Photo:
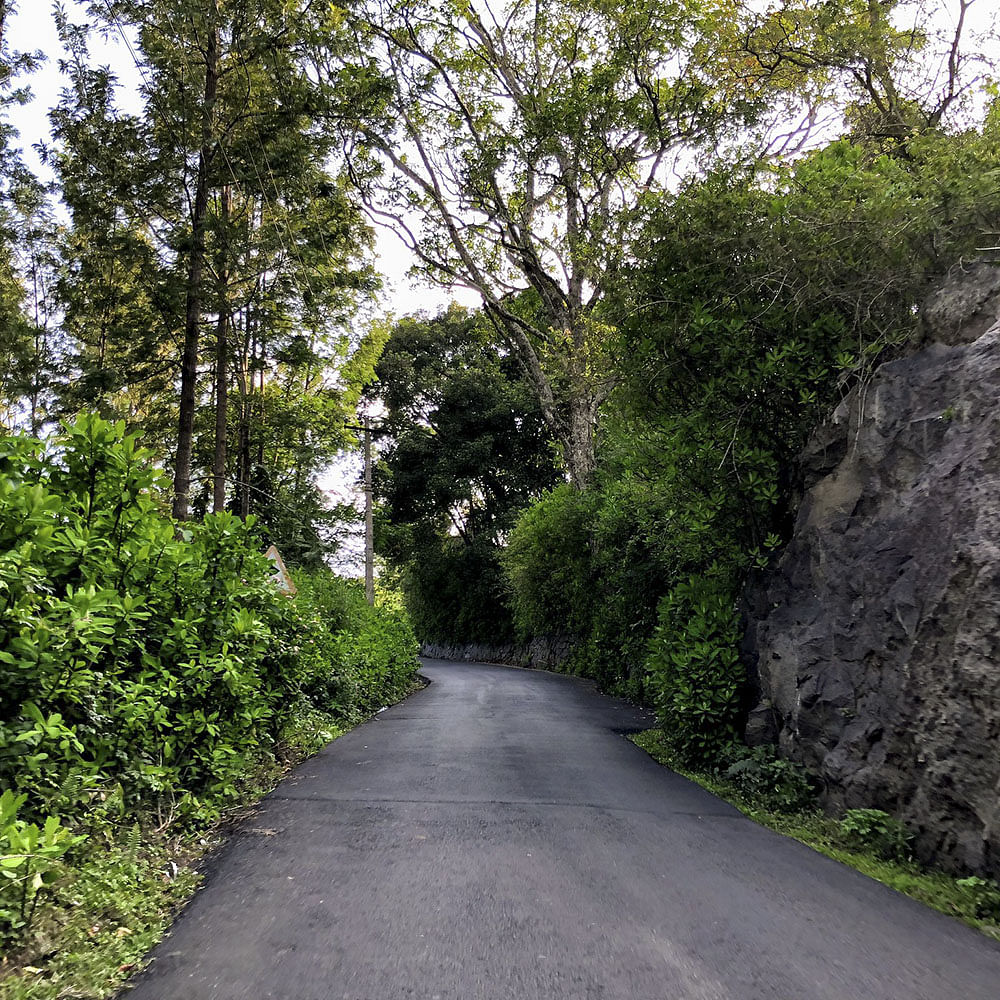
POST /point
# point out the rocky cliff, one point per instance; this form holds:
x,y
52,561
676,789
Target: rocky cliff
x,y
875,644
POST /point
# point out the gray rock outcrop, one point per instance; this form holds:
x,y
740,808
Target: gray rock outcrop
x,y
876,641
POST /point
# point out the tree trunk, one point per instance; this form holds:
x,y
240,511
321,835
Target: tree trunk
x,y
243,429
36,424
261,409
246,414
221,369
578,440
4,5
570,421
196,266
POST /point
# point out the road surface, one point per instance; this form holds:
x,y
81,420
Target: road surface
x,y
494,837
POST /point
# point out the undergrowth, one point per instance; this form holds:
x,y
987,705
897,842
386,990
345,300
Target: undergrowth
x,y
153,679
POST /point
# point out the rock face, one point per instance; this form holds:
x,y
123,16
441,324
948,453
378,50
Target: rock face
x,y
876,642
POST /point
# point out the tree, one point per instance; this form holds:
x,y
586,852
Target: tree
x,y
25,249
894,69
262,233
467,449
119,290
215,251
515,146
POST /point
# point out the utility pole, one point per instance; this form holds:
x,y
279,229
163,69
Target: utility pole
x,y
369,532
366,428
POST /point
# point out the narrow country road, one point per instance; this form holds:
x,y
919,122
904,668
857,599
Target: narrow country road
x,y
495,838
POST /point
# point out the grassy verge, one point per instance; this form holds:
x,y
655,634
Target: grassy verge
x,y
126,885
824,834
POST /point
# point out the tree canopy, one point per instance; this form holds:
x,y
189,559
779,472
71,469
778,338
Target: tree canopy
x,y
513,148
464,451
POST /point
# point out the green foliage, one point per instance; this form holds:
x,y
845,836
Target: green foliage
x,y
466,451
985,895
548,563
102,917
756,778
547,125
141,668
354,658
120,890
128,654
30,861
281,238
759,295
695,674
760,776
896,69
455,588
876,831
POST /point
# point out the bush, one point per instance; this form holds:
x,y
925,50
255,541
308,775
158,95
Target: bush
x,y
876,831
30,861
355,658
134,655
141,667
985,896
455,589
695,675
548,564
764,779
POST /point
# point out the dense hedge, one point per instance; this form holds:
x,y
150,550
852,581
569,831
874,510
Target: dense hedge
x,y
145,666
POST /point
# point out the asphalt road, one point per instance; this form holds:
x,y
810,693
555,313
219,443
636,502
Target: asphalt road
x,y
494,837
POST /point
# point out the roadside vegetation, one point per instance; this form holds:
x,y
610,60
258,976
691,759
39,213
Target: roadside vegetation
x,y
782,796
759,295
152,681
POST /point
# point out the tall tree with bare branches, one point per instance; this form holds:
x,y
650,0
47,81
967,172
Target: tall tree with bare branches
x,y
893,69
516,141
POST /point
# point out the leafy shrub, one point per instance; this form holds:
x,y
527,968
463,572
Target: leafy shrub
x,y
985,896
355,658
876,831
142,667
763,778
548,564
693,663
133,657
30,861
112,902
455,588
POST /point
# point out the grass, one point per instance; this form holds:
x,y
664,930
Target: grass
x,y
126,884
936,889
